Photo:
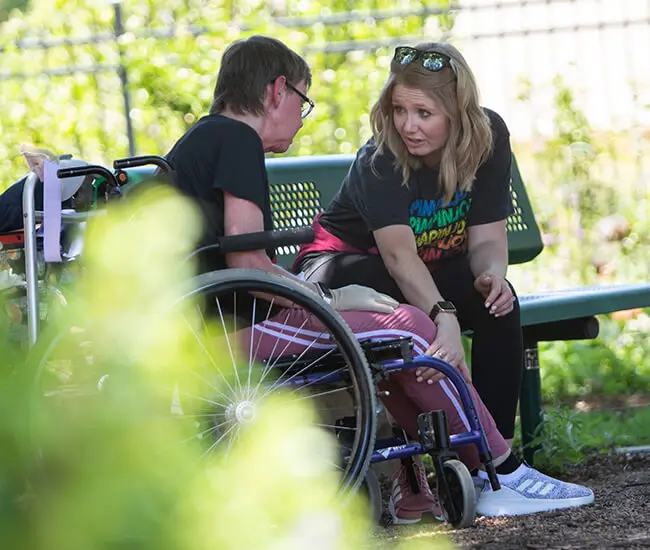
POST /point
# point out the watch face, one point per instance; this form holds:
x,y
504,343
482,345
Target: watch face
x,y
446,306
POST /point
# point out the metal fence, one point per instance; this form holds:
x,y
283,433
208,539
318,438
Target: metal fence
x,y
517,49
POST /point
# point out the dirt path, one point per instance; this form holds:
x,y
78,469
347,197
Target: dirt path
x,y
620,517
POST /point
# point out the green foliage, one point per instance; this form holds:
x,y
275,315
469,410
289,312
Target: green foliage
x,y
561,440
608,430
7,6
568,436
112,468
591,196
171,79
571,154
617,363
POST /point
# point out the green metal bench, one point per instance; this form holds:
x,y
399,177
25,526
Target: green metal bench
x,y
300,186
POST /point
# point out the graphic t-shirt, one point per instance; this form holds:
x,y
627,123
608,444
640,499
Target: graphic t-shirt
x,y
373,196
217,155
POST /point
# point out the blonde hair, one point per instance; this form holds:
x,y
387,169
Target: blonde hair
x,y
470,136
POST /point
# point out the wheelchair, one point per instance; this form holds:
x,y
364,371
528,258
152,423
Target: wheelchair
x,y
259,354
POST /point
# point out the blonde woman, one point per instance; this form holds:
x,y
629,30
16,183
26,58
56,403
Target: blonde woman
x,y
260,101
421,216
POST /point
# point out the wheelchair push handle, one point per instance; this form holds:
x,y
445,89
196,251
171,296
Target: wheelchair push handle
x,y
132,162
258,241
265,239
88,170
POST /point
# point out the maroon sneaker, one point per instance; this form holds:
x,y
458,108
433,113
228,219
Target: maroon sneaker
x,y
404,505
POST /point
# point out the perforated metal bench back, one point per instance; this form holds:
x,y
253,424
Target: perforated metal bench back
x,y
524,239
302,186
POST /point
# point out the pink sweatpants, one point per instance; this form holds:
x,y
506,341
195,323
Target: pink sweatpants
x,y
407,398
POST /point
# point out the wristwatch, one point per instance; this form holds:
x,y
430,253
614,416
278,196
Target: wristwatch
x,y
444,306
325,293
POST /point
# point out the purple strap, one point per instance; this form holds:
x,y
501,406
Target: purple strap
x,y
52,212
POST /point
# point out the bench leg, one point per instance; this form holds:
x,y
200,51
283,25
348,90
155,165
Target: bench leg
x,y
530,400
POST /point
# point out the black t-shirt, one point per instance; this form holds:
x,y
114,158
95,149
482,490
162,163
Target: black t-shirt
x,y
367,201
217,155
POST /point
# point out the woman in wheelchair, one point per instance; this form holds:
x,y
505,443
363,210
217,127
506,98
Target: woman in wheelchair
x,y
260,101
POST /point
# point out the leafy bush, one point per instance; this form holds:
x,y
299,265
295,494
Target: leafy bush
x,y
581,182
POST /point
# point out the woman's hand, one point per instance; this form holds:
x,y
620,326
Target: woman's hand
x,y
446,346
497,293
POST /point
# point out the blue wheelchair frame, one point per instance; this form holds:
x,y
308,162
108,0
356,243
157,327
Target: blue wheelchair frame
x,y
385,449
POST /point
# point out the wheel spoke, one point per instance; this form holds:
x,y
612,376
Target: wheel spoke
x,y
210,358
335,427
219,440
234,332
205,399
270,364
259,342
230,347
207,383
206,431
250,355
313,396
276,383
232,440
324,376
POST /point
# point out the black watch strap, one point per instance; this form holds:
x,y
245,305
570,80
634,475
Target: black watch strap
x,y
444,306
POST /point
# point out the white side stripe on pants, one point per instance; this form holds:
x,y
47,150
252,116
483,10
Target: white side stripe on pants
x,y
298,336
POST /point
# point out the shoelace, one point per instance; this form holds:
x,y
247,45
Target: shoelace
x,y
421,477
424,482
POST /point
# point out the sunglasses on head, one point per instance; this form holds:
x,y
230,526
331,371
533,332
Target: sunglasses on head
x,y
431,61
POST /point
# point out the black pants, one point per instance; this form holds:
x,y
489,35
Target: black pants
x,y
497,343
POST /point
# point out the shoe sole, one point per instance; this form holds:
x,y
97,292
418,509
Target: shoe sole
x,y
507,502
400,521
403,521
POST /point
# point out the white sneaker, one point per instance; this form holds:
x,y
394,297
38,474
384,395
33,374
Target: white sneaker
x,y
527,491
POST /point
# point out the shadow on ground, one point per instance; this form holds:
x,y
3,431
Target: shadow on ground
x,y
620,517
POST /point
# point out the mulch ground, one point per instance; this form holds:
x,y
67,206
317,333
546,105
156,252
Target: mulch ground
x,y
619,518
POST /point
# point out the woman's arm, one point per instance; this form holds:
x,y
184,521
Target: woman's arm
x,y
488,260
398,250
242,216
487,247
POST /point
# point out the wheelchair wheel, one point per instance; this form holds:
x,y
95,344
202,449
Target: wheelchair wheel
x,y
240,364
319,360
458,498
371,488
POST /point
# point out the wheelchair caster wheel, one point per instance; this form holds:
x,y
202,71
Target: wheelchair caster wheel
x,y
371,489
457,495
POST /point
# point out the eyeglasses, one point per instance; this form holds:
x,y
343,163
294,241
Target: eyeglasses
x,y
431,61
307,104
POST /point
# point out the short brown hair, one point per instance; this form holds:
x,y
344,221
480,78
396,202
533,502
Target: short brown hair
x,y
248,66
